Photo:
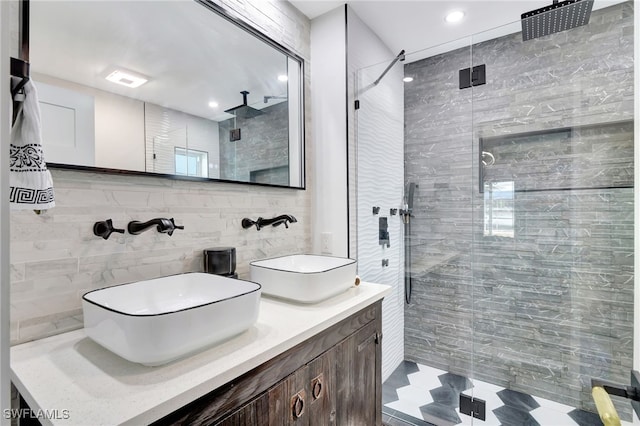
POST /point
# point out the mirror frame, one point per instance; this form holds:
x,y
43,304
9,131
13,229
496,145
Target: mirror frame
x,y
235,19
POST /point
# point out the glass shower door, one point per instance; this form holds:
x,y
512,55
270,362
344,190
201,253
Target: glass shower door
x,y
433,291
552,253
520,244
379,182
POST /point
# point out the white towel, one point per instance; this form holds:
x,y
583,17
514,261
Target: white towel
x,y
29,178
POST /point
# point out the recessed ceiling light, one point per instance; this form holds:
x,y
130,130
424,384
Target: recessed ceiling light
x,y
454,16
127,78
213,104
407,79
283,77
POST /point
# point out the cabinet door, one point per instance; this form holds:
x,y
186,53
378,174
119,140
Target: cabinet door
x,y
340,386
322,392
305,398
254,413
358,378
289,400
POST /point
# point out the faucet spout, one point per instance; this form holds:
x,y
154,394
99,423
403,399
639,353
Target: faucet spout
x,y
164,226
261,222
284,219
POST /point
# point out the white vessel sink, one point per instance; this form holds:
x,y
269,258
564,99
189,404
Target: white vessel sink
x,y
304,278
156,321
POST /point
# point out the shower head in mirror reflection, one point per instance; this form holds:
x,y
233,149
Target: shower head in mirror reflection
x,y
166,126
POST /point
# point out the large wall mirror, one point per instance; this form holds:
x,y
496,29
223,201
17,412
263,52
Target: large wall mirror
x,y
175,88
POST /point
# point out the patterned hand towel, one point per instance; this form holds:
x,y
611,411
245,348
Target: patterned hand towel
x,y
29,178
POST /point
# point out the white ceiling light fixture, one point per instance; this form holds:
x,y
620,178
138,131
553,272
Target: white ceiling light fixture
x,y
213,104
283,77
454,16
407,79
127,78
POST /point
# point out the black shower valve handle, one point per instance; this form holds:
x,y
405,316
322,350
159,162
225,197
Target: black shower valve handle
x,y
105,228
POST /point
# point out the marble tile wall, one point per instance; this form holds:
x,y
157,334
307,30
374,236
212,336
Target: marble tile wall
x,y
55,257
547,309
264,144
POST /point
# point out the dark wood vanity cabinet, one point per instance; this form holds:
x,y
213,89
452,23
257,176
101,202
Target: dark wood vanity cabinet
x,y
333,378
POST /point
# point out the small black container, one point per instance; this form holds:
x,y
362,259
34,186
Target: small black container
x,y
220,261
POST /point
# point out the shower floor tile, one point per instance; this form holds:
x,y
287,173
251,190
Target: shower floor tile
x,y
416,394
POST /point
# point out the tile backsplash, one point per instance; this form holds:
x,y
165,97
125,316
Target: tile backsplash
x,y
55,258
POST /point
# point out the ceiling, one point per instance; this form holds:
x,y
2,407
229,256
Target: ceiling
x,y
420,24
199,58
80,41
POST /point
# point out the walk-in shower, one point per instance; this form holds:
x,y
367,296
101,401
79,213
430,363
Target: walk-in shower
x,y
518,262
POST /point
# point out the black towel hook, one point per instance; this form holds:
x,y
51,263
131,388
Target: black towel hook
x,y
20,70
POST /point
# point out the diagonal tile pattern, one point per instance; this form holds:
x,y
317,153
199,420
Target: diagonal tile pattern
x,y
446,398
510,416
584,418
518,400
516,409
422,395
398,379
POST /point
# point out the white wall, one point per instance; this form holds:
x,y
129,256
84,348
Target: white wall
x,y
119,126
196,133
120,130
351,182
377,139
119,146
5,394
329,123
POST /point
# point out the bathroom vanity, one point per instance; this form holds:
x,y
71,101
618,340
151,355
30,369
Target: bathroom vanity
x,y
299,364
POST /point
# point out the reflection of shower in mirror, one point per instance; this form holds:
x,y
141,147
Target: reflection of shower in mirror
x,y
268,98
92,122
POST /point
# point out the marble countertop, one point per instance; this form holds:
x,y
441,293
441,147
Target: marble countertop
x,y
68,379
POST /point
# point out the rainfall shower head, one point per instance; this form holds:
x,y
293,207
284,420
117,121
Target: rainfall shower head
x,y
244,110
560,16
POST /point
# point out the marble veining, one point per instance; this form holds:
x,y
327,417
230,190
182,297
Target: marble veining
x,y
551,306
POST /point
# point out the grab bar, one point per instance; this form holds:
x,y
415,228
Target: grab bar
x,y
606,410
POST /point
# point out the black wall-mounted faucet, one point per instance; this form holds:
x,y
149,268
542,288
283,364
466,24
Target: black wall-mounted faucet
x,y
276,221
164,226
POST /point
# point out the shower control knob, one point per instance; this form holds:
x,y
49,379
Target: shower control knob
x,y
105,228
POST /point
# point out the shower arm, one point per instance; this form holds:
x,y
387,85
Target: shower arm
x,y
400,57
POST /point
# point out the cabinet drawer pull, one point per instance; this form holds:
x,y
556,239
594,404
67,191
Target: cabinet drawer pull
x,y
297,405
316,387
374,338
